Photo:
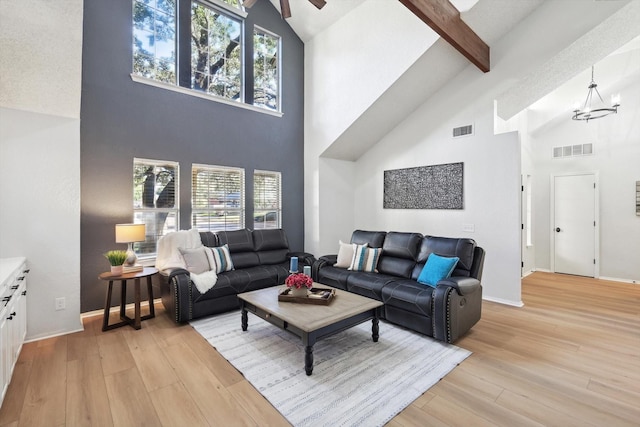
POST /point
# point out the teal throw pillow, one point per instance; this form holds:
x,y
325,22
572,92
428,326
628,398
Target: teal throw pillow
x,y
436,269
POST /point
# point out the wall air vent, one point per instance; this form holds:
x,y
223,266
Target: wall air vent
x,y
463,131
573,150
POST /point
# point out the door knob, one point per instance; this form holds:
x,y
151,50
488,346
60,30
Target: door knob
x,y
557,229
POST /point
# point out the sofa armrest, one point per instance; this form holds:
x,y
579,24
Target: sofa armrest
x,y
323,261
304,258
454,313
177,296
464,285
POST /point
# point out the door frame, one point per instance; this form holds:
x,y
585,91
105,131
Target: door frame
x,y
596,207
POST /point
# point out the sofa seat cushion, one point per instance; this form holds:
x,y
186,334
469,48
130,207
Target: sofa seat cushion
x,y
334,276
408,295
245,280
368,284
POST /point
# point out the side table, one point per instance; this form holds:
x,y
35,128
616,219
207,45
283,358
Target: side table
x,y
147,272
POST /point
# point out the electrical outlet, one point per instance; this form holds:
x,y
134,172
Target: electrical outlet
x,y
469,228
60,303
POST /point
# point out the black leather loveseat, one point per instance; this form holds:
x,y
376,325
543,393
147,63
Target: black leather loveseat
x,y
260,259
444,312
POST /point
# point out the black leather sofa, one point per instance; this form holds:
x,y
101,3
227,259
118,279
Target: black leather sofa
x,y
445,312
260,259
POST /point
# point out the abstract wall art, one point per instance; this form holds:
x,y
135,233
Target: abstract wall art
x,y
425,187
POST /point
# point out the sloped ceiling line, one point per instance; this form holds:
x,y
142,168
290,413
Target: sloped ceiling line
x,y
444,19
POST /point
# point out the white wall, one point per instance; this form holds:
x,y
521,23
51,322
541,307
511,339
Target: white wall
x,y
40,215
491,190
40,57
616,145
347,67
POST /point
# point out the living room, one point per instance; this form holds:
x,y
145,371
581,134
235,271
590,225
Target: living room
x,y
81,134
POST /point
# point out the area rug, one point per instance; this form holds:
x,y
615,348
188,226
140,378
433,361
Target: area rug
x,y
355,381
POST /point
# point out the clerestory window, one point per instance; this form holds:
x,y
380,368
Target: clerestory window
x,y
266,69
199,45
216,52
154,39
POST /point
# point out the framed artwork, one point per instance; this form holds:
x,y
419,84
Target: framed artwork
x,y
425,187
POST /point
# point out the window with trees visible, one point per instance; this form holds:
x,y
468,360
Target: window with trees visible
x,y
154,39
198,44
217,198
216,52
155,192
267,200
266,69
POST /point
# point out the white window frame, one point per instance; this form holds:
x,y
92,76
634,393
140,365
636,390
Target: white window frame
x,y
140,212
233,13
259,211
175,87
221,210
155,57
259,29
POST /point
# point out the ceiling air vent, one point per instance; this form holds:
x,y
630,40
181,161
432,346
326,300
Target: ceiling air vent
x,y
572,150
462,131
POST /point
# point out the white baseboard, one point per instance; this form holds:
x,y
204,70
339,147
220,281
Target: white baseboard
x,y
526,273
91,314
504,301
612,279
616,279
57,334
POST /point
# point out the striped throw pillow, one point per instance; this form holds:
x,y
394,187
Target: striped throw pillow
x,y
365,259
221,258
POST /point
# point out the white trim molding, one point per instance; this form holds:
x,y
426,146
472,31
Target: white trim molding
x,y
185,91
504,301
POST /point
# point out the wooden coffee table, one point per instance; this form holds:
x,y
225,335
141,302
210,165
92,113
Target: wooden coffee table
x,y
310,322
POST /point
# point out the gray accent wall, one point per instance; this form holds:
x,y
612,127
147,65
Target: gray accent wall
x,y
122,119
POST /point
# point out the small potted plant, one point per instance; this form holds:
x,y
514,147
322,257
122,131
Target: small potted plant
x,y
299,284
116,259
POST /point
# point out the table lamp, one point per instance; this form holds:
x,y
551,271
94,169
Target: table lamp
x,y
130,233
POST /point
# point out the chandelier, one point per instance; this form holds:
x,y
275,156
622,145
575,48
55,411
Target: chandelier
x,y
591,112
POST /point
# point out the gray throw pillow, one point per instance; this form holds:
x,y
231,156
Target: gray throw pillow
x,y
196,259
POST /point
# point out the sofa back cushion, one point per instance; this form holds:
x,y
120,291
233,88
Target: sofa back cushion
x,y
447,247
271,246
399,254
209,239
267,240
373,239
240,246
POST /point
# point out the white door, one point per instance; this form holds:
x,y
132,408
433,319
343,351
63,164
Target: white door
x,y
574,225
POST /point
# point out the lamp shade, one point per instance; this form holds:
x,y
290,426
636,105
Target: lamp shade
x,y
128,233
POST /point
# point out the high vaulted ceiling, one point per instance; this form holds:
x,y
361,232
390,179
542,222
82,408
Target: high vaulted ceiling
x,y
558,39
307,21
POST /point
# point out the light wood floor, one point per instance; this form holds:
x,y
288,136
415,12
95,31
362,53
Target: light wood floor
x,y
570,357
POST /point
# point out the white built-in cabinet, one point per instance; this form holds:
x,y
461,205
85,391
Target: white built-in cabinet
x,y
13,315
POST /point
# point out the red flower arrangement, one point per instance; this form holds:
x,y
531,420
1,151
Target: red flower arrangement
x,y
298,280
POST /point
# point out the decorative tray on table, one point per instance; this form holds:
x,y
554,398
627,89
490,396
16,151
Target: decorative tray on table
x,y
318,296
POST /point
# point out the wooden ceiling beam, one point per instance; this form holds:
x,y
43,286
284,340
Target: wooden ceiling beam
x,y
318,3
285,9
444,19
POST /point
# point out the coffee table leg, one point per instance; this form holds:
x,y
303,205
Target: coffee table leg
x,y
308,359
245,319
375,329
